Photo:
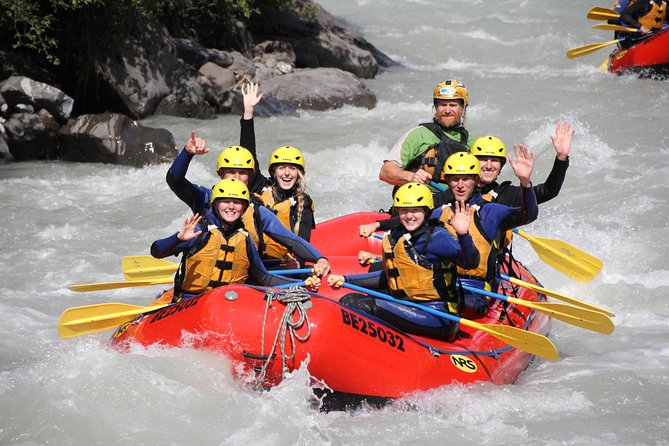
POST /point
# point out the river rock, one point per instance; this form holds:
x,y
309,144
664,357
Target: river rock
x,y
31,136
5,154
196,55
320,89
20,90
116,139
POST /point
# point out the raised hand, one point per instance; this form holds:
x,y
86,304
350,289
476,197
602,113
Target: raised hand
x,y
187,230
196,145
562,139
523,164
462,216
251,98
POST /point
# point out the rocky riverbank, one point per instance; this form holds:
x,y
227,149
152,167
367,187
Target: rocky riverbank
x,y
315,64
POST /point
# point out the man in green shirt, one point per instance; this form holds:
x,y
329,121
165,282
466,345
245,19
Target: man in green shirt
x,y
418,156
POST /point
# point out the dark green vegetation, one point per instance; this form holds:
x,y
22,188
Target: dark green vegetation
x,y
72,31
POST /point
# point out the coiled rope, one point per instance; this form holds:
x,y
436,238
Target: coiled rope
x,y
295,299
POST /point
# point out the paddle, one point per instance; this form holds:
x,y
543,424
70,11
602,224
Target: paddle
x,y
83,287
525,340
555,294
587,49
78,321
600,13
609,27
150,268
571,261
147,268
579,317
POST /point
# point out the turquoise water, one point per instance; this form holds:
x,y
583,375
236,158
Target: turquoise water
x,y
71,223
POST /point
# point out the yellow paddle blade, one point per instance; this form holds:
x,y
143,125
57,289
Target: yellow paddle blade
x,y
571,261
516,337
587,49
83,287
609,27
557,295
147,268
579,317
600,13
79,321
604,67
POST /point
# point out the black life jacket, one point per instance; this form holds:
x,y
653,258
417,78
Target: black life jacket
x,y
434,158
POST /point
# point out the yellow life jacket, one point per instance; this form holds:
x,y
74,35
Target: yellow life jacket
x,y
412,277
655,18
282,209
215,261
249,220
488,249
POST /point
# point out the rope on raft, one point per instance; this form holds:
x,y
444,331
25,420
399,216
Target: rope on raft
x,y
296,299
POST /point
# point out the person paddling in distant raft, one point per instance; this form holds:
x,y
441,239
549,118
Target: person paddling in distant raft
x,y
644,15
419,259
216,249
490,221
419,155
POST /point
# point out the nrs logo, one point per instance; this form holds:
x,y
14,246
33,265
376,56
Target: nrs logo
x,y
464,363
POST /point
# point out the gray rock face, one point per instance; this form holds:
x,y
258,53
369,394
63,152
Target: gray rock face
x,y
320,89
116,139
31,136
20,90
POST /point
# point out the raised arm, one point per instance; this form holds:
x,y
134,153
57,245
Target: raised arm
x,y
195,197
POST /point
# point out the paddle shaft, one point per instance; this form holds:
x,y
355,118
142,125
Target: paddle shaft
x,y
579,317
591,48
555,294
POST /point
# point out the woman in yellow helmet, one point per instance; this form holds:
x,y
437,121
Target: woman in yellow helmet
x,y
284,191
287,197
216,249
419,259
490,221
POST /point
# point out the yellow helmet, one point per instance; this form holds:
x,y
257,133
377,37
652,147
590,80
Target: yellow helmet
x,y
286,155
451,89
489,146
235,157
412,195
230,188
462,163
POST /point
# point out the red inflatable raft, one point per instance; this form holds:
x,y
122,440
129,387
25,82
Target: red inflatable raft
x,y
649,57
351,352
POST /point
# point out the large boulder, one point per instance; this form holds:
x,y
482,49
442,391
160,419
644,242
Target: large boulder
x,y
144,71
320,89
320,42
23,90
116,139
31,136
196,55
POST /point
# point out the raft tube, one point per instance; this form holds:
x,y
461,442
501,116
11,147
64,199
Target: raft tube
x,y
649,57
352,353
